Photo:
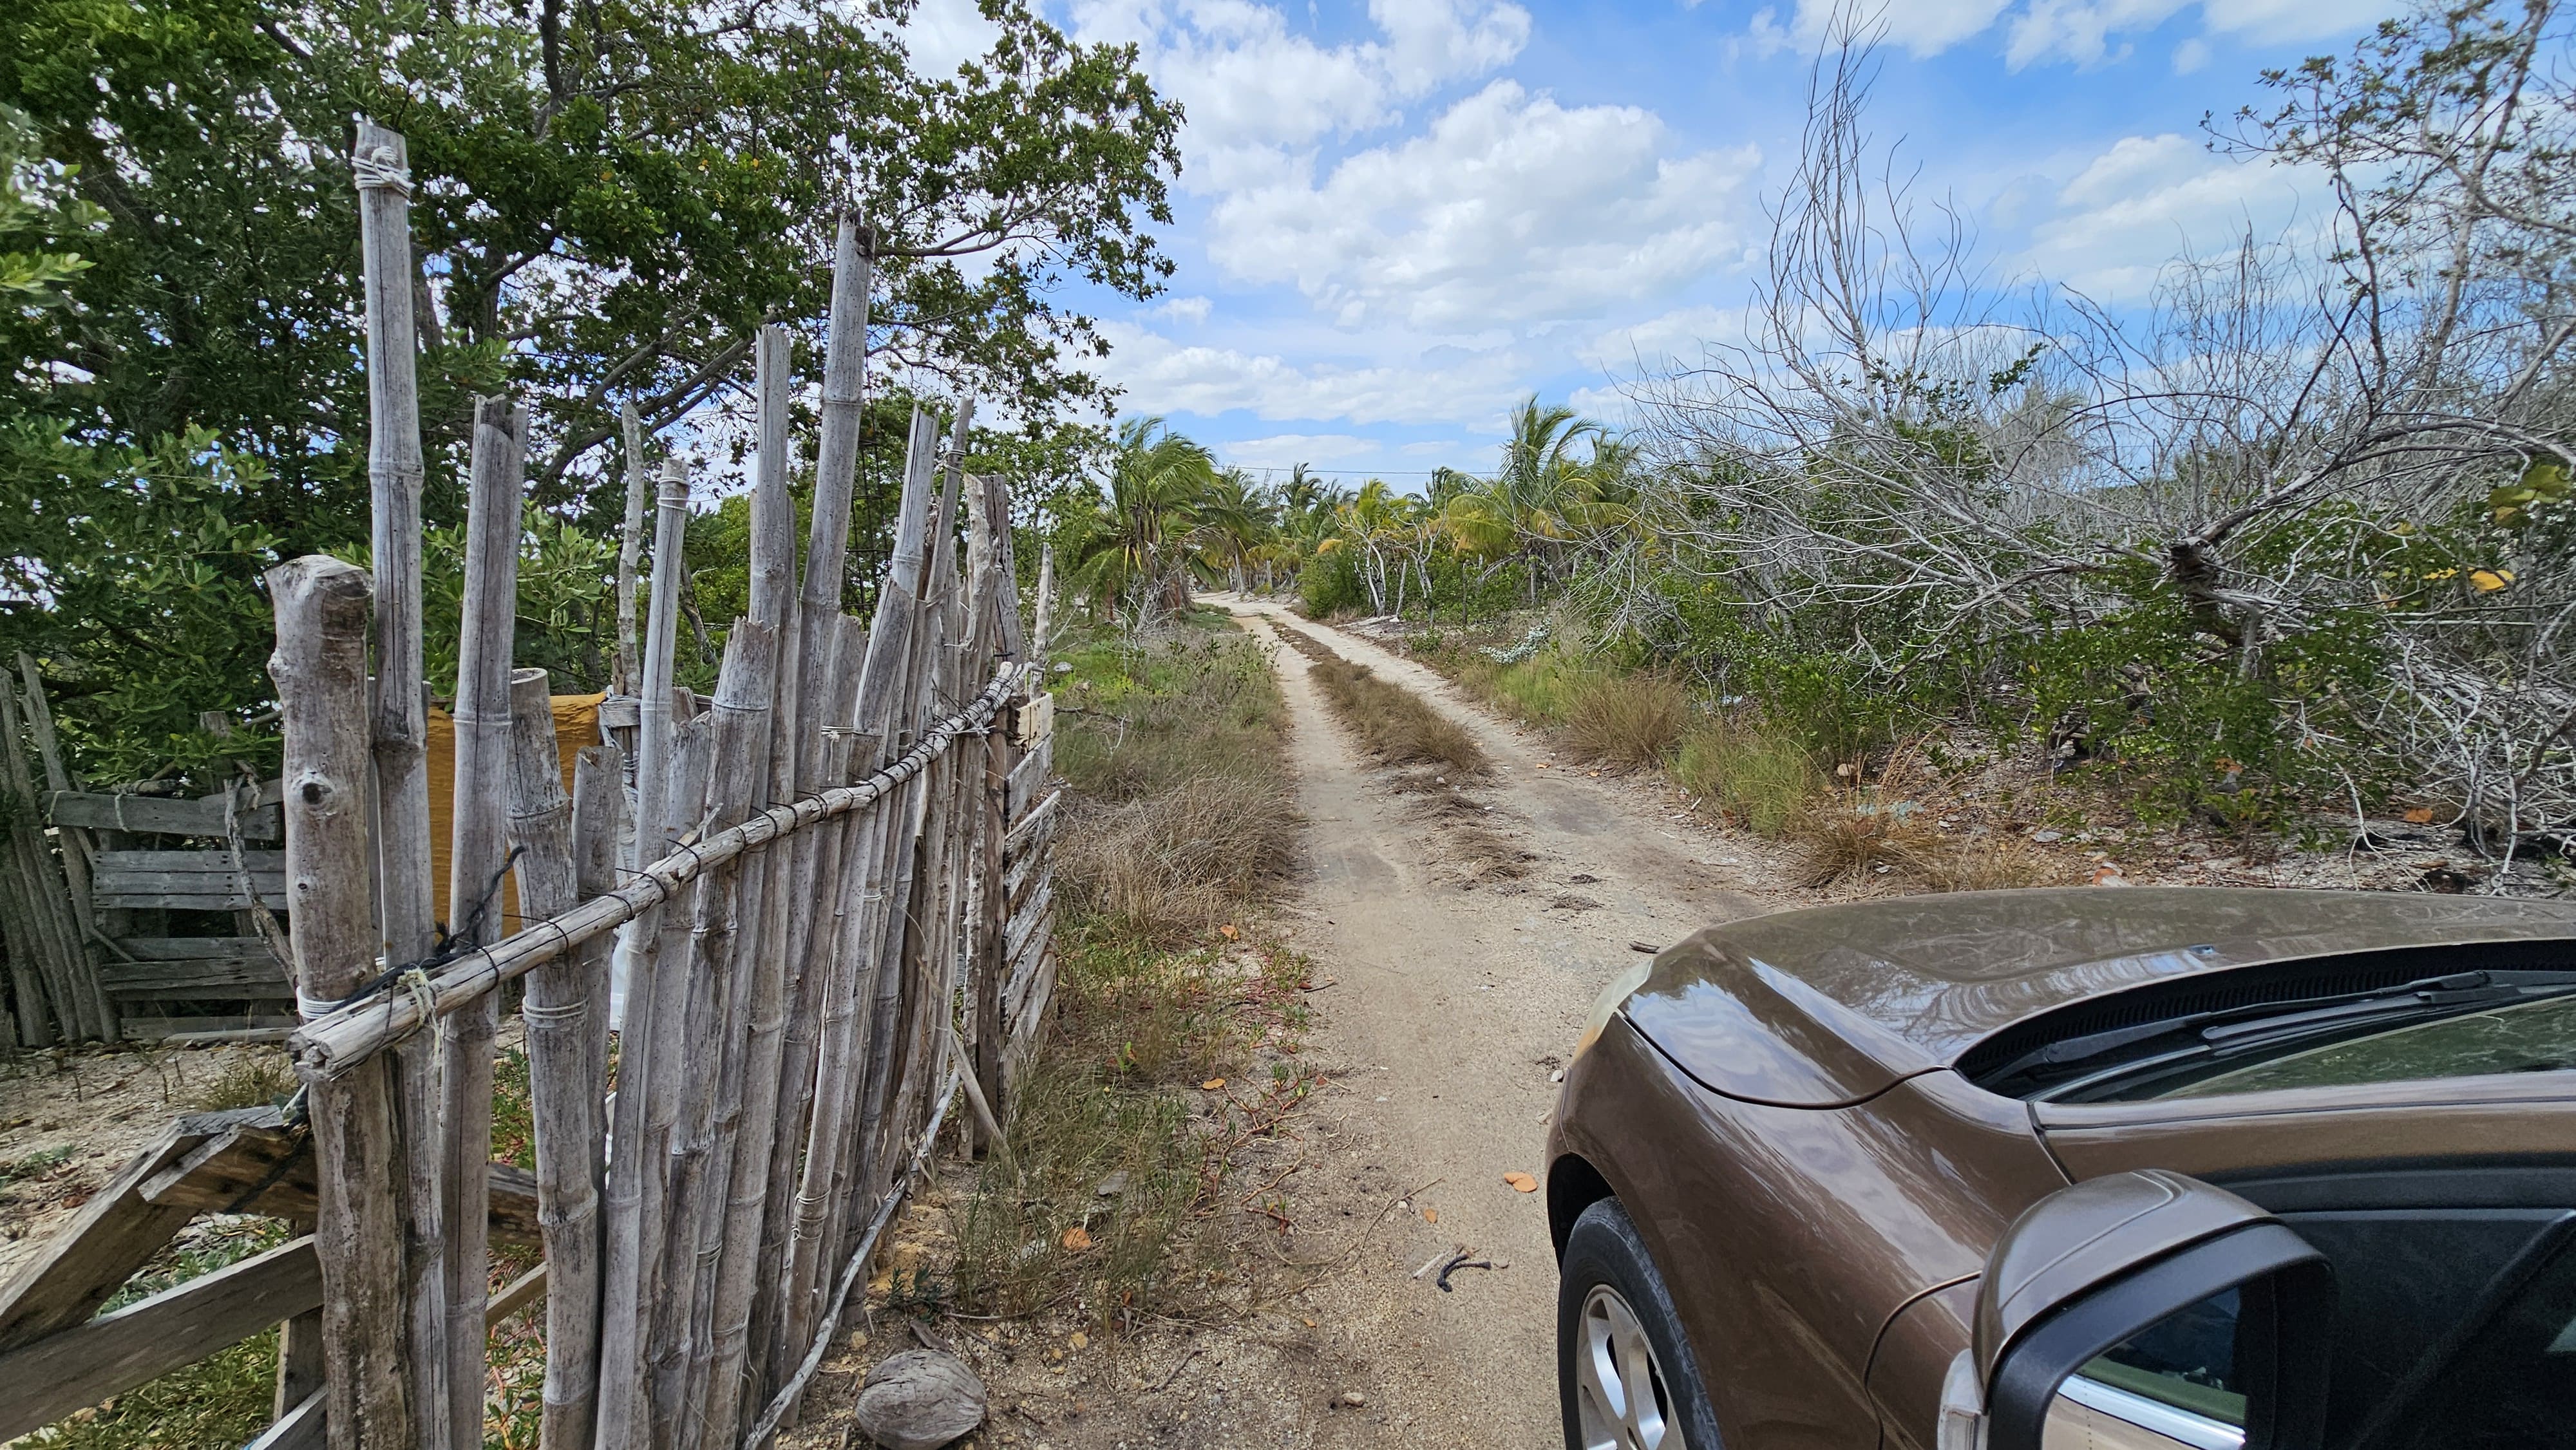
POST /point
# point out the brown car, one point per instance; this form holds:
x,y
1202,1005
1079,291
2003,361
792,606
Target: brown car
x,y
2086,1168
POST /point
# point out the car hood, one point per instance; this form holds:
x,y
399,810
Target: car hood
x,y
1832,1004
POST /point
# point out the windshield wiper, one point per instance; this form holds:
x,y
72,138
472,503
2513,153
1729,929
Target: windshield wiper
x,y
2233,1029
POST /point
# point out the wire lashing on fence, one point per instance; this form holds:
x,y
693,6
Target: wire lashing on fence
x,y
328,1047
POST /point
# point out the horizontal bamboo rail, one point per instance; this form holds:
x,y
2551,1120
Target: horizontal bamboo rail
x,y
334,1044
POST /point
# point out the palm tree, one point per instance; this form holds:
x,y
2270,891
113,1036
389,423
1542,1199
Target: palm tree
x,y
1134,547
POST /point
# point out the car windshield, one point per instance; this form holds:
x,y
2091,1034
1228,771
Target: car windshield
x,y
2525,1037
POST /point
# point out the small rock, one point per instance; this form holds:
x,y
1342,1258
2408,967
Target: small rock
x,y
2044,837
1557,1076
1354,1398
920,1400
1114,1185
1078,1339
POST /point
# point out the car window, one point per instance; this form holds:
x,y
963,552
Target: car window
x,y
2528,1037
2511,1382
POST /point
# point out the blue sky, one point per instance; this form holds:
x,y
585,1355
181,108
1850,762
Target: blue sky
x,y
1398,218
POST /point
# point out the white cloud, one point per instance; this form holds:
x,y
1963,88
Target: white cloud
x,y
1255,92
944,34
2150,199
1923,27
1510,208
1186,309
1164,376
1286,450
2081,31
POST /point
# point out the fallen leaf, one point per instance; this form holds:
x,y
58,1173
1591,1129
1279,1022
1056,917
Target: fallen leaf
x,y
1521,1182
2488,581
2420,816
1212,1084
1077,1238
1228,931
1431,1215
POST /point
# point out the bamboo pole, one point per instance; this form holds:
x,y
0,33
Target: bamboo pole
x,y
1044,630
321,672
598,821
890,959
798,1040
562,1076
700,1172
622,1418
630,545
400,725
664,1047
879,699
805,684
488,623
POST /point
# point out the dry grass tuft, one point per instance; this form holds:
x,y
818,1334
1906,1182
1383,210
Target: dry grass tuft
x,y
1170,867
257,1078
1393,723
1838,846
1841,846
1627,719
1988,865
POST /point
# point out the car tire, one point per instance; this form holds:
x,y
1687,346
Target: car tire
x,y
1611,1304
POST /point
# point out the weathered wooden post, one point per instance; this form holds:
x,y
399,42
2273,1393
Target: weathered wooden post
x,y
623,1419
630,544
321,672
400,725
489,620
564,1072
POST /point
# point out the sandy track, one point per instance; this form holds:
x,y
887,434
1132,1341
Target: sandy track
x,y
1454,1002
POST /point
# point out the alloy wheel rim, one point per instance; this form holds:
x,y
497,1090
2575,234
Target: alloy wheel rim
x,y
1620,1394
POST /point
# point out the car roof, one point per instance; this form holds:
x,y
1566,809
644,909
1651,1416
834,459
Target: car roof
x,y
1866,992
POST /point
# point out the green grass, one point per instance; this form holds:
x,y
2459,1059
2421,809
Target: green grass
x,y
1760,775
1540,690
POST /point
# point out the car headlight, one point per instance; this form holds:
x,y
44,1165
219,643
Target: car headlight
x,y
1612,996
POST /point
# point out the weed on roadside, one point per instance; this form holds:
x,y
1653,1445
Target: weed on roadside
x,y
1627,720
251,1080
1761,777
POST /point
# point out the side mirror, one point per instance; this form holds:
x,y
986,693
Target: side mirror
x,y
2145,1309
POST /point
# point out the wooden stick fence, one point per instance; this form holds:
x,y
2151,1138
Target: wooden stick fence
x,y
840,872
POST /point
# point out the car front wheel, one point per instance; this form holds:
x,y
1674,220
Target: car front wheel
x,y
1624,1373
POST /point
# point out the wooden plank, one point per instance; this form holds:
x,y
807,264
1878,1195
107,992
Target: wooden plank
x,y
212,863
163,815
89,1258
1028,1025
1032,720
186,880
1034,829
44,1381
1028,778
301,1428
263,979
195,948
155,1029
1020,881
258,1167
1035,917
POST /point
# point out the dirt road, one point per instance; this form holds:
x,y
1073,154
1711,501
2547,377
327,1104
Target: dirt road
x,y
1454,1002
